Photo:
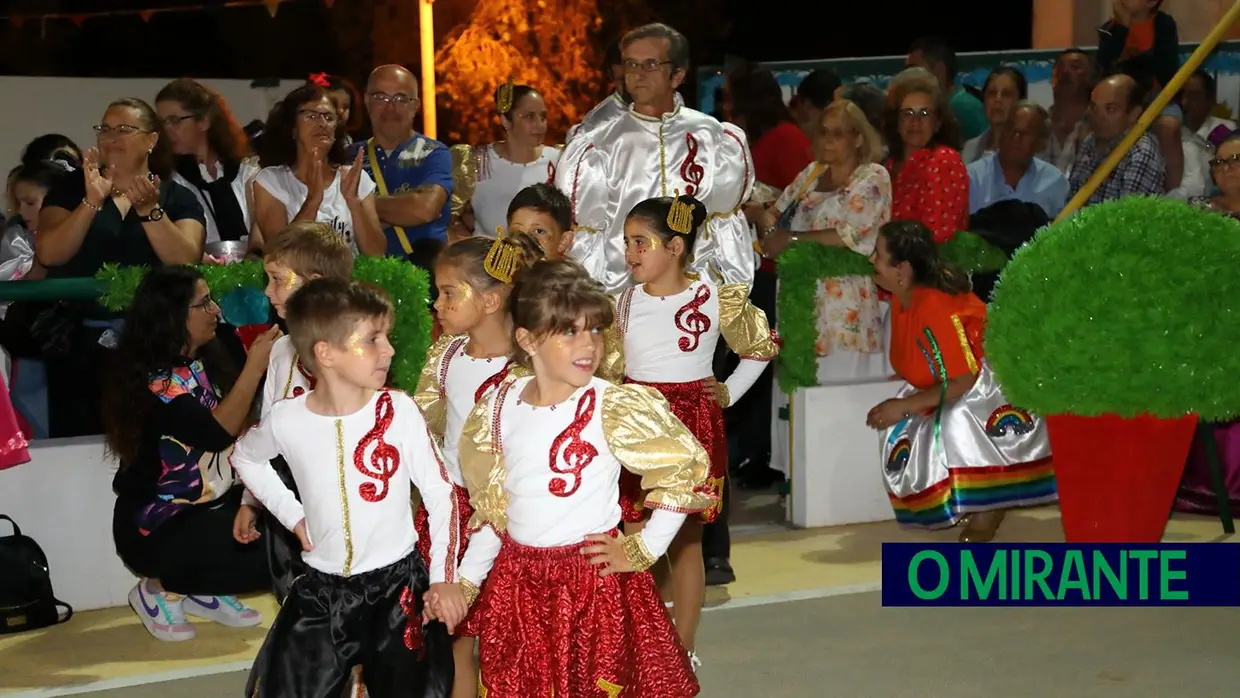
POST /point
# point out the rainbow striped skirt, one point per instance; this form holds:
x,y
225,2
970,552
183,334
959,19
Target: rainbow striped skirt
x,y
985,454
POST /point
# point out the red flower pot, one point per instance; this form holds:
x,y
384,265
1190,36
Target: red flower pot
x,y
1118,477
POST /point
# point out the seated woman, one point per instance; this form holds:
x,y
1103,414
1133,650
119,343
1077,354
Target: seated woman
x,y
306,175
954,448
172,412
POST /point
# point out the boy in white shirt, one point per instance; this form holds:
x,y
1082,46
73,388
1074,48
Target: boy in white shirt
x,y
354,448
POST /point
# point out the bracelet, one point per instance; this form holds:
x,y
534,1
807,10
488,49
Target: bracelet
x,y
470,590
91,206
637,553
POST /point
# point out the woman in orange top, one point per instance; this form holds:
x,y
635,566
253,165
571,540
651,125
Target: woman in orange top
x,y
954,448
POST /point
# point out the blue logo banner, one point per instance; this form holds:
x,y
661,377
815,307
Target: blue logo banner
x,y
1061,574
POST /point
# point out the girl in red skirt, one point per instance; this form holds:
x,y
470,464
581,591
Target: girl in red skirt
x,y
470,357
569,608
669,325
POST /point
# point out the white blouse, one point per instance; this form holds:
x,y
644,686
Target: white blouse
x,y
498,180
283,186
353,473
286,377
240,185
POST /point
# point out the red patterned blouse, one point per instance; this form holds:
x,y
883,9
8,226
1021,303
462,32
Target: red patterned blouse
x,y
932,187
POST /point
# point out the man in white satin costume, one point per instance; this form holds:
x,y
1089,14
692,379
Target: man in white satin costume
x,y
656,148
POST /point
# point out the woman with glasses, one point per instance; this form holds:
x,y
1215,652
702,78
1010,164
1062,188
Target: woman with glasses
x,y
173,408
306,175
210,155
929,182
487,177
123,208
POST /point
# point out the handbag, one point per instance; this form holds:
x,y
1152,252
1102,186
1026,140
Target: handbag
x,y
55,328
26,598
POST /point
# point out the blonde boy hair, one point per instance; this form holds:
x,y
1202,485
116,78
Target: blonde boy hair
x,y
311,249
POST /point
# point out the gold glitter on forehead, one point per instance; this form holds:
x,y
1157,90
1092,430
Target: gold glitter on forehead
x,y
355,344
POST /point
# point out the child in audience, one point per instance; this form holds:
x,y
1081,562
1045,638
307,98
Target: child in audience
x,y
545,214
1140,36
353,447
570,609
472,356
669,325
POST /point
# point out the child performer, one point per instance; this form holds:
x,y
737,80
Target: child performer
x,y
353,447
670,324
545,214
472,356
303,251
570,609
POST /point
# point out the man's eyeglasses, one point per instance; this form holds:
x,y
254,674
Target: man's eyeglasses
x,y
396,99
646,66
1229,161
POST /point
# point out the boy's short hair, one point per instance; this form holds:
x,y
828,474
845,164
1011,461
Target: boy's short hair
x,y
544,198
328,310
311,249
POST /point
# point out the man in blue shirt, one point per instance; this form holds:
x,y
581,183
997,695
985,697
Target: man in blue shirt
x,y
413,173
1012,172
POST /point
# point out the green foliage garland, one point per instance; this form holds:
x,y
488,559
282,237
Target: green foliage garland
x,y
407,286
802,267
1129,307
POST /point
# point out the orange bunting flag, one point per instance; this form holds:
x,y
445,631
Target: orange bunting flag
x,y
273,6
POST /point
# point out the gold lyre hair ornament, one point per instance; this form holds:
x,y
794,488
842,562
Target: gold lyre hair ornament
x,y
503,100
680,217
501,261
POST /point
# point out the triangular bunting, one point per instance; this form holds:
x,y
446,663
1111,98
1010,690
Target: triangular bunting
x,y
329,3
16,21
273,6
146,15
77,19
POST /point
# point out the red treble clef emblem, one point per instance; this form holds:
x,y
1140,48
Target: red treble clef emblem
x,y
413,629
692,321
385,460
492,382
578,453
690,170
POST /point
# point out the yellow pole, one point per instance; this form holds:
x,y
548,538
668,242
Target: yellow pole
x,y
1194,61
426,27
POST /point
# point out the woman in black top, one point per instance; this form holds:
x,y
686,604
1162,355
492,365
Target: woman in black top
x,y
210,155
172,413
121,207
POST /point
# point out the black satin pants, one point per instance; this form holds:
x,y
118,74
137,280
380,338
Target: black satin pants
x,y
330,624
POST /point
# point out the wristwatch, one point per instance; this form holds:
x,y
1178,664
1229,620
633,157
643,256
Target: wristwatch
x,y
156,214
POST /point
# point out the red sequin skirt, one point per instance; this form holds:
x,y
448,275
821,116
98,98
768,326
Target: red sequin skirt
x,y
704,418
422,524
549,625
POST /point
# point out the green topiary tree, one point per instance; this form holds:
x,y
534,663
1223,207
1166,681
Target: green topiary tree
x,y
1129,307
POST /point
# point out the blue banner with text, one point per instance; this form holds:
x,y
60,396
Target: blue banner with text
x,y
1061,574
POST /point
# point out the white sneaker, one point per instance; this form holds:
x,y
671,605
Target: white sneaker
x,y
694,662
225,610
161,613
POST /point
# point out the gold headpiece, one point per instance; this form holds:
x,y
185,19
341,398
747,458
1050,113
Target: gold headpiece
x,y
501,262
503,100
680,217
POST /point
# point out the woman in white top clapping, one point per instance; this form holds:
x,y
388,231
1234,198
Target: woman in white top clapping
x,y
305,176
488,176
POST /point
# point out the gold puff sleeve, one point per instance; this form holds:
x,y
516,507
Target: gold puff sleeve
x,y
464,177
482,462
649,441
743,326
612,366
429,394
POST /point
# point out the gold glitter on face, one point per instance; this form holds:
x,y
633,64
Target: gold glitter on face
x,y
290,281
355,345
465,292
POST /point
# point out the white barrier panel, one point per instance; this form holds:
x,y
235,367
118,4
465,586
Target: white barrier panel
x,y
837,475
63,499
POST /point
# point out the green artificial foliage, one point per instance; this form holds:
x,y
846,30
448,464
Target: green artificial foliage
x,y
407,286
1130,307
804,265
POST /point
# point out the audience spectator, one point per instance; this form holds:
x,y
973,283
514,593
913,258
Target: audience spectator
x,y
815,91
344,97
1072,81
173,410
1004,87
929,181
53,146
1014,171
414,173
210,155
780,148
869,99
1199,100
1225,174
306,175
1116,105
28,186
1142,37
937,57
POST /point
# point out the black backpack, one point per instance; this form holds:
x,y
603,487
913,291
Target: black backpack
x,y
26,598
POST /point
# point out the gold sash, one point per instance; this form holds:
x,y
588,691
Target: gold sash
x,y
377,172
